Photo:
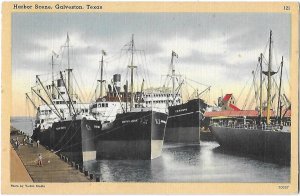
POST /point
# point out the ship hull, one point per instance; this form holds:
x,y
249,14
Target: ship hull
x,y
71,138
184,122
133,135
267,144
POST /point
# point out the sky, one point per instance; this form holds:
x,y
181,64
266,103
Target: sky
x,y
216,49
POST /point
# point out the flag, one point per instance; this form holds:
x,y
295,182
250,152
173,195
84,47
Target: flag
x,y
68,39
54,54
174,54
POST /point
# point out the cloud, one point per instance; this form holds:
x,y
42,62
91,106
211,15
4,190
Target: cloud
x,y
218,49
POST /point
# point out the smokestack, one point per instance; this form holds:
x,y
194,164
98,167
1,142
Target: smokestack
x,y
117,82
125,88
61,88
60,83
109,88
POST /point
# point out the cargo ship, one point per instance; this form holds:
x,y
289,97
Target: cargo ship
x,y
62,123
138,134
131,127
185,120
266,137
128,132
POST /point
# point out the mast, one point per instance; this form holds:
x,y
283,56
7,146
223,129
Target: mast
x,y
131,67
269,73
254,87
269,80
69,70
52,69
68,47
101,75
173,74
142,89
260,88
126,94
173,78
279,94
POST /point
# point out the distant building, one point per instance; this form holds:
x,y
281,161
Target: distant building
x,y
229,112
228,103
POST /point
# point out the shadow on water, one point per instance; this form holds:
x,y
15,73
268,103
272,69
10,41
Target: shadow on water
x,y
124,170
181,149
181,153
155,170
265,159
206,162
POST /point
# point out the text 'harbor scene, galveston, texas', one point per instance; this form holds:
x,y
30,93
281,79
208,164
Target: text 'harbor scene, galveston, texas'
x,y
151,97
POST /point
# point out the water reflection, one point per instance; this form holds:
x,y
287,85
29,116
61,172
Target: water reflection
x,y
192,163
123,170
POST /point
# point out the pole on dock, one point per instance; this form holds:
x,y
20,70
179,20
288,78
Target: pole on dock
x,y
91,176
86,172
97,178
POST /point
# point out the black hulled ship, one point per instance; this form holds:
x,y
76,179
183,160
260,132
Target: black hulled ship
x,y
265,137
136,131
62,124
73,138
185,120
132,135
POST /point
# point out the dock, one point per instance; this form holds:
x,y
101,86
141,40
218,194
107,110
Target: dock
x,y
55,168
18,172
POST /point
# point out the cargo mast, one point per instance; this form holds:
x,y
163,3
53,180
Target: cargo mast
x,y
52,69
260,89
131,67
101,74
279,95
269,73
173,75
69,70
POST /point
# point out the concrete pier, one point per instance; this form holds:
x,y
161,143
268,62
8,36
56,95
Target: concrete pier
x,y
18,172
53,169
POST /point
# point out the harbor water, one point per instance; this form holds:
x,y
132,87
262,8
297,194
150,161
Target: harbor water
x,y
24,124
206,162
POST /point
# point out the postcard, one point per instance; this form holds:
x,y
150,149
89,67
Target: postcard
x,y
150,97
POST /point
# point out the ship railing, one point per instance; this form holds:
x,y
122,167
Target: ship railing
x,y
249,126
